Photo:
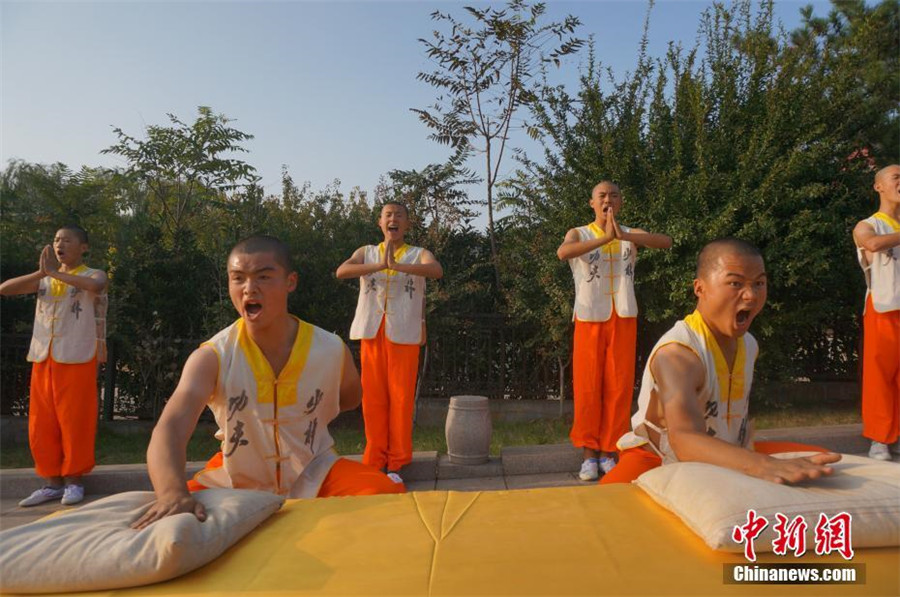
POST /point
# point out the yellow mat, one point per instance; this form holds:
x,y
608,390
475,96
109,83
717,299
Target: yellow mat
x,y
611,540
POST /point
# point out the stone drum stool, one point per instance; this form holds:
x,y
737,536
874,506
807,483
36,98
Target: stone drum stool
x,y
468,430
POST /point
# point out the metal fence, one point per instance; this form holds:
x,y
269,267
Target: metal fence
x,y
15,374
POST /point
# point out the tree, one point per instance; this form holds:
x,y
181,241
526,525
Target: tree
x,y
184,165
484,73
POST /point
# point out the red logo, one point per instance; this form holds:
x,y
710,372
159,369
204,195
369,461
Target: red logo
x,y
833,534
790,536
748,533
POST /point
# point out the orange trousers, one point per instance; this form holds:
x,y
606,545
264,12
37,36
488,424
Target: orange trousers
x,y
389,374
346,477
634,462
881,375
603,381
62,417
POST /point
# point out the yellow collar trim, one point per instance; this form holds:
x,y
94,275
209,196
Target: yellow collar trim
x,y
58,287
285,386
612,246
399,252
731,383
888,220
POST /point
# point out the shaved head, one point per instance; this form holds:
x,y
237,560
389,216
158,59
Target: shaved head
x,y
397,204
261,243
80,232
603,182
709,256
881,175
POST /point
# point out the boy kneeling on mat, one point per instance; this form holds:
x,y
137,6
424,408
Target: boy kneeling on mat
x,y
694,398
274,383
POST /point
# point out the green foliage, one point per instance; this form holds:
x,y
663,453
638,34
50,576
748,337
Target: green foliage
x,y
35,201
185,166
764,139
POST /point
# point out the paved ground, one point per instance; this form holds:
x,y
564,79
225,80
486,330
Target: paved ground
x,y
520,467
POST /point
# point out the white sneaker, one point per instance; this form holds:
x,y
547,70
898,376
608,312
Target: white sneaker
x,y
879,451
44,494
73,495
607,464
395,477
589,470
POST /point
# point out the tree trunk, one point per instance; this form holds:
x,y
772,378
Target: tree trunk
x,y
490,206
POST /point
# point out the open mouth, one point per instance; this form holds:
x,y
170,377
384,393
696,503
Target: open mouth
x,y
252,309
606,208
743,317
393,227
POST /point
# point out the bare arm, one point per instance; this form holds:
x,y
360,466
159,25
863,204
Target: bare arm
x,y
167,453
679,374
572,247
650,240
356,267
95,283
351,389
428,267
27,284
864,235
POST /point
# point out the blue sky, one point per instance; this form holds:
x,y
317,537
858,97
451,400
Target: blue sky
x,y
325,87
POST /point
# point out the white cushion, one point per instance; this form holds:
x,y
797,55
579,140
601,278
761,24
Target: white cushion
x,y
93,548
712,500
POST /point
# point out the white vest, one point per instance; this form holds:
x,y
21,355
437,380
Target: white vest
x,y
883,274
604,278
396,297
69,326
724,396
274,432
